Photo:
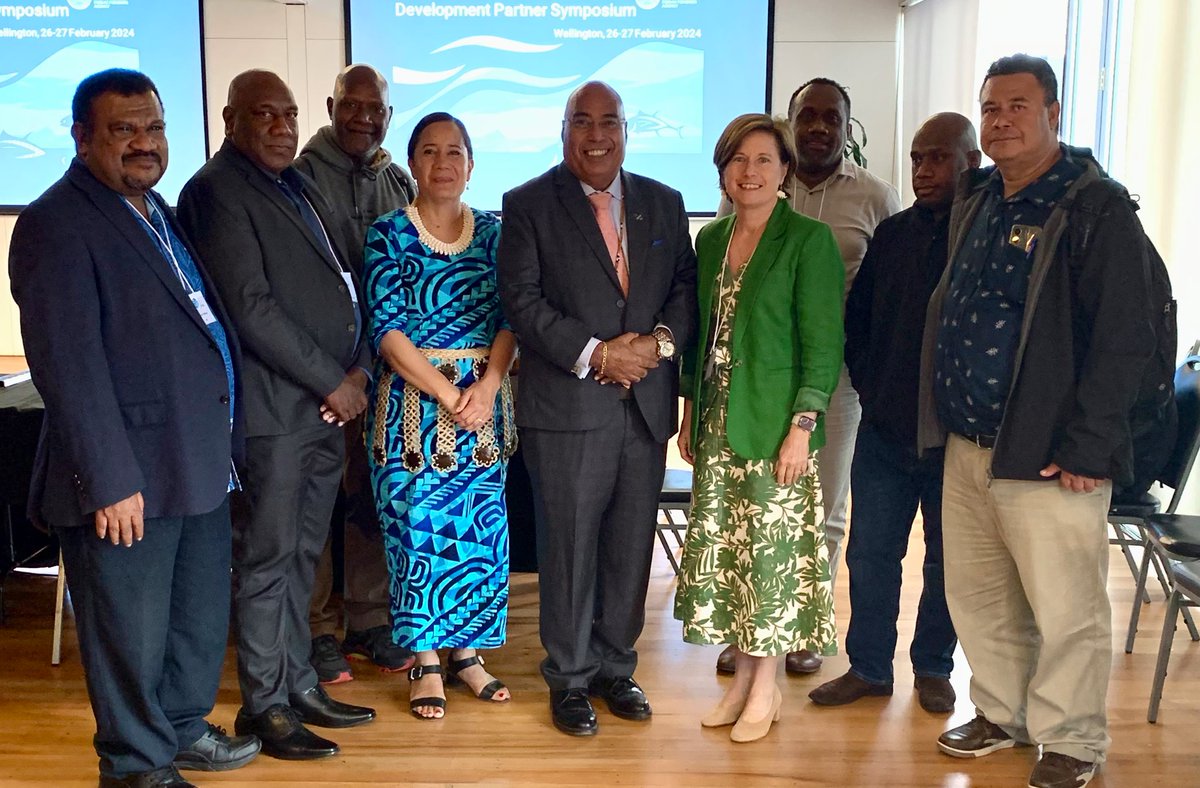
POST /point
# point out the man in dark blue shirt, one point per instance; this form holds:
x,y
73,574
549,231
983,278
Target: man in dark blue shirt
x,y
885,316
1032,359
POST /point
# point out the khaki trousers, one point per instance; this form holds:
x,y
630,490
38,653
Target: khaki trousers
x,y
841,431
1026,573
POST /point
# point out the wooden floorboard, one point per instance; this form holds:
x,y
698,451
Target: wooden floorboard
x,y
46,725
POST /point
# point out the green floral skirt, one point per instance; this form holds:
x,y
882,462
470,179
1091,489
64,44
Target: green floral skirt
x,y
755,571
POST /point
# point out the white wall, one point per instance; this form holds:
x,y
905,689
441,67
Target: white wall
x,y
851,41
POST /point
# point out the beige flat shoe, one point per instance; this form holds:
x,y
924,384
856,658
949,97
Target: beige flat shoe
x,y
753,730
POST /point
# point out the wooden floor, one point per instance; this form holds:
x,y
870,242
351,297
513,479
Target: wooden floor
x,y
46,725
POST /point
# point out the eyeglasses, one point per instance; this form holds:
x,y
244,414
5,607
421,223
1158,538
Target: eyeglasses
x,y
587,124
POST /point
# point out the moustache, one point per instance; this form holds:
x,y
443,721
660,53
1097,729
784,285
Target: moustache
x,y
134,156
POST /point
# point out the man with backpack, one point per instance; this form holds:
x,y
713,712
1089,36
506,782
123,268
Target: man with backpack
x,y
1033,359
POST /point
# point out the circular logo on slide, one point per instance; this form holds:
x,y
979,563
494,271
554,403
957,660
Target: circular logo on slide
x,y
646,5
79,5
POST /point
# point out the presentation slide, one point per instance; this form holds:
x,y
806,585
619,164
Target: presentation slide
x,y
684,68
48,47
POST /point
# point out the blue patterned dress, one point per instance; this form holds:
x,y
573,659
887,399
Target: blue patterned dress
x,y
445,530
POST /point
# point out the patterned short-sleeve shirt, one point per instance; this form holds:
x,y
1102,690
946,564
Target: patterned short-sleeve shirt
x,y
980,323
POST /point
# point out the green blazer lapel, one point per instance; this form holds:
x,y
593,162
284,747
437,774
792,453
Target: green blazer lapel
x,y
765,256
710,257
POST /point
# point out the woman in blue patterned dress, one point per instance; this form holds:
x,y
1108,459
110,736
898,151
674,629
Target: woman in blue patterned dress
x,y
440,430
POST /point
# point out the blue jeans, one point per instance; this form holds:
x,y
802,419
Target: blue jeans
x,y
888,481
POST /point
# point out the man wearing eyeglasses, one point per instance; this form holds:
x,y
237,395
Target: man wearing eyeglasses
x,y
597,277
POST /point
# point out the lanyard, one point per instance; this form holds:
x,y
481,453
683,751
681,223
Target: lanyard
x,y
325,234
164,245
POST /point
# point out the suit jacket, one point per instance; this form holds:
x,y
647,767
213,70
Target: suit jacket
x,y
558,288
136,395
787,330
282,286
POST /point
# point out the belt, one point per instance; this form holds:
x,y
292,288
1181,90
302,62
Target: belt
x,y
982,441
412,457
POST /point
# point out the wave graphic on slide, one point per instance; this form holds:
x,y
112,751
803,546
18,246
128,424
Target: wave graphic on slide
x,y
408,76
662,86
498,43
507,75
34,120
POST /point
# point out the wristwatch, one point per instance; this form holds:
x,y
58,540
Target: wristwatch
x,y
666,345
806,423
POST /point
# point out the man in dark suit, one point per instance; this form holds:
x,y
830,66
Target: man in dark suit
x,y
597,277
262,227
131,350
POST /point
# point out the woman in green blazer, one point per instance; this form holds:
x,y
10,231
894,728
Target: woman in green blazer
x,y
755,573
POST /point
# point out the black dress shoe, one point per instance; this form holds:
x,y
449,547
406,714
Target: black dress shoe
x,y
847,689
802,662
315,707
935,694
217,752
624,697
727,661
572,712
166,777
282,735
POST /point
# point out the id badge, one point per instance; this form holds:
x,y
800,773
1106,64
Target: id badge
x,y
350,287
1024,237
201,305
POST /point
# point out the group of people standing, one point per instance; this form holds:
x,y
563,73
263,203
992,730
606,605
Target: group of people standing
x,y
304,324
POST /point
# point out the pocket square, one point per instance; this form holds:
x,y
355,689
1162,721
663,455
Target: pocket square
x,y
658,242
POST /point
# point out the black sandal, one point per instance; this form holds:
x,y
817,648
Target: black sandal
x,y
416,672
488,693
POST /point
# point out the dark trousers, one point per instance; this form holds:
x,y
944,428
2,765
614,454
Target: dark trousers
x,y
152,621
888,481
280,523
365,575
595,497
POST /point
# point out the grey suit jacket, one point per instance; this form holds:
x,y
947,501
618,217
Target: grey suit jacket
x,y
282,287
135,389
559,288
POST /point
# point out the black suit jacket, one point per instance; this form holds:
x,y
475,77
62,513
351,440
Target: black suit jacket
x,y
282,287
135,388
559,288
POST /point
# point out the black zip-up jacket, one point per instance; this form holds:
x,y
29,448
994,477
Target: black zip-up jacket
x,y
885,317
1085,337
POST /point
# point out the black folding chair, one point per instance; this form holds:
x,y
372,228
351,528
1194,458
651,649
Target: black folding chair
x,y
1130,520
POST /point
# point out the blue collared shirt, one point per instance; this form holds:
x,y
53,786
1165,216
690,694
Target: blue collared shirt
x,y
181,263
981,316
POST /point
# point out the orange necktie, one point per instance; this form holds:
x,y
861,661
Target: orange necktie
x,y
601,201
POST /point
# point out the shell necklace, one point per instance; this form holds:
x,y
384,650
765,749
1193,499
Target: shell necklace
x,y
457,246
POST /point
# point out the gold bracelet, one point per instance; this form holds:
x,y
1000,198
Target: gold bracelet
x,y
603,357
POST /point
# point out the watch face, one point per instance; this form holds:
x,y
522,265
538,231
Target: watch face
x,y
666,348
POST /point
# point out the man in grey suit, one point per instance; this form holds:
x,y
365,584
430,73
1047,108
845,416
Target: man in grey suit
x,y
261,227
598,278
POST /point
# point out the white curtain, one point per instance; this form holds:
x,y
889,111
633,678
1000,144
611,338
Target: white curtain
x,y
1161,161
937,66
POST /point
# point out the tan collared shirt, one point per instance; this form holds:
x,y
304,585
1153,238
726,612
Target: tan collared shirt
x,y
852,202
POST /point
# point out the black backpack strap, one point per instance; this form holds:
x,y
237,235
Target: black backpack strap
x,y
1085,207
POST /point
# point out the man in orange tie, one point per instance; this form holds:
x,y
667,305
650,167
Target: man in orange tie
x,y
598,278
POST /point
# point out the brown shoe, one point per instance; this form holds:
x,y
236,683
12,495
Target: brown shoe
x,y
975,739
1056,770
802,662
935,694
847,689
727,661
